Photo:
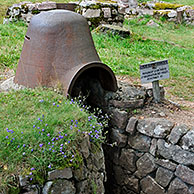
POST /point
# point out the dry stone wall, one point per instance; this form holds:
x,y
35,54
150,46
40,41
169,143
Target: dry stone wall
x,y
88,178
147,155
172,12
95,12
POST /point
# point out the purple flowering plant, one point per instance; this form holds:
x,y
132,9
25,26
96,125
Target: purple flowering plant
x,y
41,131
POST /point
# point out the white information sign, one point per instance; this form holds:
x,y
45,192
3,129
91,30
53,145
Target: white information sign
x,y
154,71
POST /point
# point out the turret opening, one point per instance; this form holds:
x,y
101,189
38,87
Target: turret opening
x,y
93,84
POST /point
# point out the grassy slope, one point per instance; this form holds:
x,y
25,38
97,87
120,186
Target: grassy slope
x,y
39,129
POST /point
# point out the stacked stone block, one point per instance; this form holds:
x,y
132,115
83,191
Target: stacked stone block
x,y
95,12
148,155
88,178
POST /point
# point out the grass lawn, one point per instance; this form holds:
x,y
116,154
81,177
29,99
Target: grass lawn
x,y
39,131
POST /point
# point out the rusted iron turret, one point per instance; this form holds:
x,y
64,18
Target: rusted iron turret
x,y
58,49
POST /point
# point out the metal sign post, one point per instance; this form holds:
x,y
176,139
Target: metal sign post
x,y
153,72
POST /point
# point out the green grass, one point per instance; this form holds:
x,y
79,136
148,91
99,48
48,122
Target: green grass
x,y
125,55
39,131
11,41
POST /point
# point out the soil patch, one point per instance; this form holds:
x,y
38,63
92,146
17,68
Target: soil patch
x,y
176,110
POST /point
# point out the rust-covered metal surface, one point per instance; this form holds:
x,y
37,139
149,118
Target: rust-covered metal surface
x,y
58,49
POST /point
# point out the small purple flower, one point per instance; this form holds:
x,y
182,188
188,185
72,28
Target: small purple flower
x,y
41,100
32,168
50,149
53,150
53,104
46,125
57,138
49,143
64,156
32,150
49,166
57,105
43,130
22,132
38,127
6,137
53,139
18,146
41,144
81,109
72,156
23,153
48,134
65,134
24,145
71,160
61,145
68,142
97,136
30,179
34,126
61,137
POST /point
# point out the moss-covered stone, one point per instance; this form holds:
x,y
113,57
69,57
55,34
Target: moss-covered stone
x,y
35,11
105,1
161,12
159,6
